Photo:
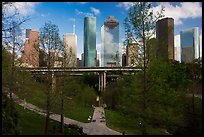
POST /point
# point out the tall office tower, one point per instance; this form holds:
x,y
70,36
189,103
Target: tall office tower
x,y
132,55
70,46
124,60
97,59
190,48
165,36
111,53
89,41
30,56
82,59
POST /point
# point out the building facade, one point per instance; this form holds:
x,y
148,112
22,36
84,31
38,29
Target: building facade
x,y
30,55
111,53
70,50
132,55
190,48
165,36
90,41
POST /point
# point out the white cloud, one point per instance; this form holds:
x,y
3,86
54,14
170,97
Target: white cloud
x,y
178,12
72,19
23,8
83,13
182,11
44,15
83,2
95,11
125,5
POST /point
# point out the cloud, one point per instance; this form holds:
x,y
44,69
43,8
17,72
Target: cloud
x,y
44,15
23,8
72,19
125,5
83,13
83,2
182,11
95,11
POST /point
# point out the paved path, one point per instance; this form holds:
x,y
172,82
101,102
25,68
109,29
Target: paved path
x,y
94,128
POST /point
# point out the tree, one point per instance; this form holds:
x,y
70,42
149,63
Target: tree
x,y
139,28
51,43
11,33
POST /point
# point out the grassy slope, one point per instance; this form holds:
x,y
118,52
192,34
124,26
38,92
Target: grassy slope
x,y
34,93
123,123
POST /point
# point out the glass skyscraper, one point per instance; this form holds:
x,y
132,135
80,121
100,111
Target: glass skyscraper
x,y
190,48
90,41
111,53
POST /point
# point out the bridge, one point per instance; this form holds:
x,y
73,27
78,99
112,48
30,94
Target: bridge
x,y
102,72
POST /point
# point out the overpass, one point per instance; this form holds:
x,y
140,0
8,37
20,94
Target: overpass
x,y
102,71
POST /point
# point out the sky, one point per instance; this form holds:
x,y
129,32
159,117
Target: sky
x,y
64,14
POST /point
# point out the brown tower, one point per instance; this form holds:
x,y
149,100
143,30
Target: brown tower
x,y
30,54
165,36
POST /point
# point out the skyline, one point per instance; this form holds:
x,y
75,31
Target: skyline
x,y
64,14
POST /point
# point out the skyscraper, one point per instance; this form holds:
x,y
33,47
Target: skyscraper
x,y
70,46
111,54
132,55
90,41
30,56
190,48
165,36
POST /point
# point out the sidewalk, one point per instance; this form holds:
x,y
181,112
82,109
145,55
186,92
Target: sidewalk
x,y
94,128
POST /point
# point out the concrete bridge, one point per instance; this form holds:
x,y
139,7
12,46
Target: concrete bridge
x,y
101,71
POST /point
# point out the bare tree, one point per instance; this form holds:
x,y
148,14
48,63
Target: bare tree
x,y
51,43
11,33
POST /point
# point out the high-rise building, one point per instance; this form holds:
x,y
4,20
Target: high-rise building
x,y
30,56
190,48
82,59
97,59
165,36
124,60
70,46
90,41
132,55
111,53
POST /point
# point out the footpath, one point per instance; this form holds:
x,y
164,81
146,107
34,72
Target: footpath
x,y
96,127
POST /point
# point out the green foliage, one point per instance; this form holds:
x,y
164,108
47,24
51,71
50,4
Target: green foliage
x,y
9,117
31,123
6,66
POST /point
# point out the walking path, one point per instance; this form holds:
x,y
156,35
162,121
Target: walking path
x,y
94,128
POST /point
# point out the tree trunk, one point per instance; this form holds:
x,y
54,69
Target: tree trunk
x,y
62,113
49,88
48,104
145,67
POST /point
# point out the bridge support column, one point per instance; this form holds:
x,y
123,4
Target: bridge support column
x,y
53,82
102,81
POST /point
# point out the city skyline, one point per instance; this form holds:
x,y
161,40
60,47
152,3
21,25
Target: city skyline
x,y
66,14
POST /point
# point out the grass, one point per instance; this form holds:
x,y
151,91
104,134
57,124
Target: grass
x,y
34,93
130,126
31,123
